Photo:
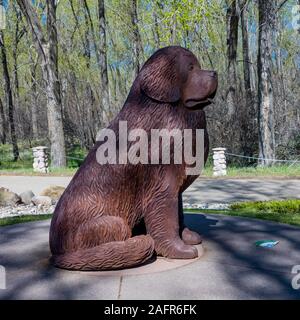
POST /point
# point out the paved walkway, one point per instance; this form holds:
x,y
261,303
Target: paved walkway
x,y
231,267
202,190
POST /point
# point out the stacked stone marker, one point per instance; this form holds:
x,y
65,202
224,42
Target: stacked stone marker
x,y
40,159
219,162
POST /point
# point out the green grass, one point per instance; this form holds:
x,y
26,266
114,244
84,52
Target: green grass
x,y
291,206
30,172
75,154
21,219
283,211
6,158
23,166
281,171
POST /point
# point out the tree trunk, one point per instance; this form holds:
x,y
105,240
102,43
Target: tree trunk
x,y
100,111
2,124
298,16
234,131
8,89
50,75
90,124
156,30
266,140
88,17
232,41
249,114
137,42
84,39
106,114
173,30
246,56
47,49
17,37
34,97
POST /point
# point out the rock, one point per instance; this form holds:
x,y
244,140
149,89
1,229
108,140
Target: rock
x,y
219,173
54,192
8,198
218,206
219,156
41,165
26,197
42,200
219,166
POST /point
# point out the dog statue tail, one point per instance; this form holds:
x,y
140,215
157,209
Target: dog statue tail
x,y
108,256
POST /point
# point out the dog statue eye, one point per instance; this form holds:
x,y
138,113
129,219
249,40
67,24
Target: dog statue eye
x,y
191,67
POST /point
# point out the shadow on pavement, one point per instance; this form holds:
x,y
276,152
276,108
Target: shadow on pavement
x,y
232,190
266,272
254,272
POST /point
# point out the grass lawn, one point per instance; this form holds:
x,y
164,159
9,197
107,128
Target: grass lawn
x,y
21,219
75,156
283,211
24,165
293,219
280,171
63,172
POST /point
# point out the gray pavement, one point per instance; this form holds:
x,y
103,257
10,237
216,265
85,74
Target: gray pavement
x,y
231,267
19,184
232,190
202,190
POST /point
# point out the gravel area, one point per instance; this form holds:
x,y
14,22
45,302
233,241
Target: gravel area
x,y
22,209
205,205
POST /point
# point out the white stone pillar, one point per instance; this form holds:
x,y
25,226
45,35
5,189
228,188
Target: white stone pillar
x,y
40,159
219,162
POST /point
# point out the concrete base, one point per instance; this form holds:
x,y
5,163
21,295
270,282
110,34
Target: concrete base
x,y
158,264
232,267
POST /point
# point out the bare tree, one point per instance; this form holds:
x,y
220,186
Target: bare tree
x,y
233,131
298,20
34,98
106,115
246,56
88,19
100,52
18,34
137,41
266,140
91,119
2,124
232,19
156,30
8,89
46,46
249,114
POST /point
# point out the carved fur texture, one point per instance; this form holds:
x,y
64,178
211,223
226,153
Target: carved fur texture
x,y
118,216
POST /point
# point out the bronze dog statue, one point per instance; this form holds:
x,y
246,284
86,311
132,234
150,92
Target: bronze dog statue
x,y
94,226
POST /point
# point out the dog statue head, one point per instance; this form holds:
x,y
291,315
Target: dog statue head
x,y
173,74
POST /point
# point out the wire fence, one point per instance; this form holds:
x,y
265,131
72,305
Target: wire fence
x,y
261,159
74,158
230,154
26,160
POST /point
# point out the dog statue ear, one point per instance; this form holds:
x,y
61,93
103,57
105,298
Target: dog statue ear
x,y
159,78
